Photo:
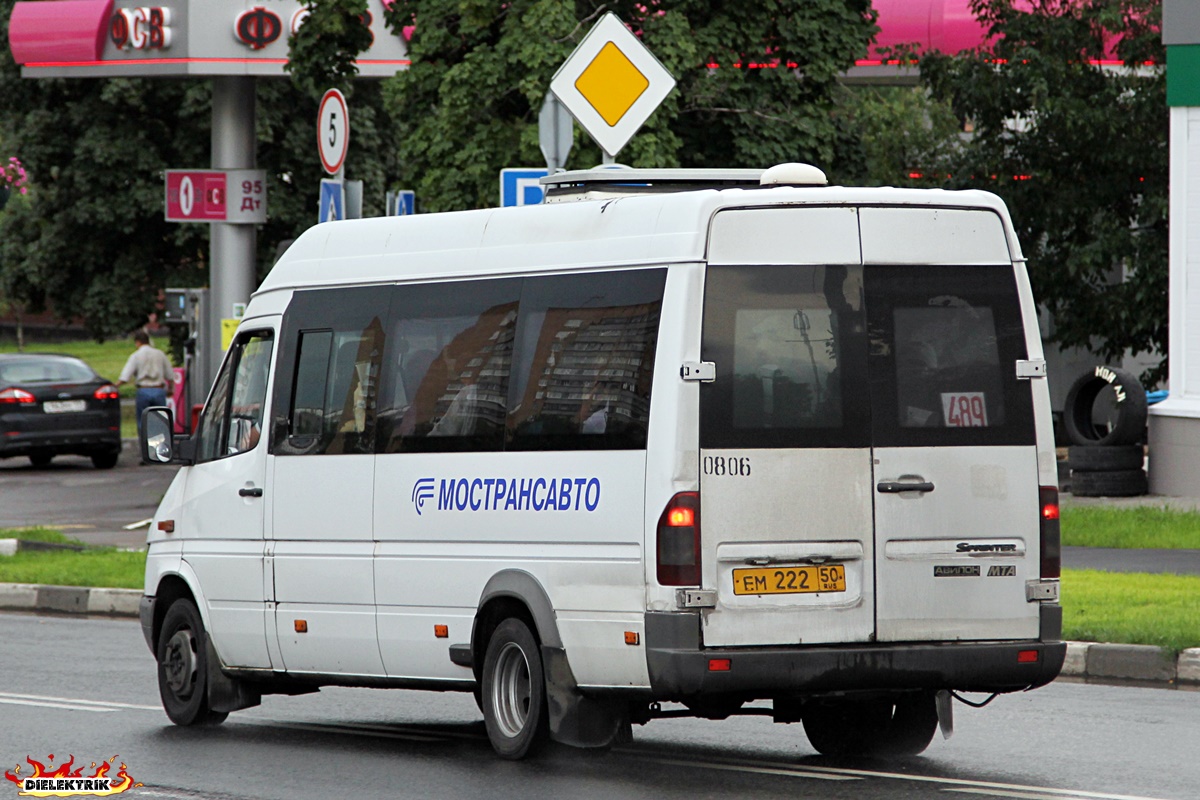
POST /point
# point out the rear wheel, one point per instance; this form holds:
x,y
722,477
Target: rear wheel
x,y
877,727
105,460
914,721
514,691
41,460
845,727
183,667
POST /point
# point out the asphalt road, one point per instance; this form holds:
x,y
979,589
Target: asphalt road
x,y
92,505
85,687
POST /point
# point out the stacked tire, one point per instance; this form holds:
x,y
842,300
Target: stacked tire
x,y
1106,460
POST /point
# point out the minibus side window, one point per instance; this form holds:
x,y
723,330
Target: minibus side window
x,y
232,421
584,361
329,372
445,382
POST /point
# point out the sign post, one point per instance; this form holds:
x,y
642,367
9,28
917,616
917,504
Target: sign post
x,y
611,84
555,131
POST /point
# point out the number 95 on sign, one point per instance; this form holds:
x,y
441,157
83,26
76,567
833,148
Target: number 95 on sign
x,y
232,195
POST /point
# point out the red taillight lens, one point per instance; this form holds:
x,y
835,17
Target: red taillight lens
x,y
1051,537
679,541
107,392
17,396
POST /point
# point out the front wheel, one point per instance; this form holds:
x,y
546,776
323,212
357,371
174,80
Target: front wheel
x,y
183,667
514,691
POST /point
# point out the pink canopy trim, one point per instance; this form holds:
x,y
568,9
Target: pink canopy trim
x,y
58,30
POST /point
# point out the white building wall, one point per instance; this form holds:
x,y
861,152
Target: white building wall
x,y
1175,423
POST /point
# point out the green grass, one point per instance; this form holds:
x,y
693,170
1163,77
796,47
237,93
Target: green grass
x,y
109,568
37,535
1140,527
1131,608
95,566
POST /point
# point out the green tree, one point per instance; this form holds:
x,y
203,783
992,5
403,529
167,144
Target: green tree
x,y
90,241
755,86
1079,153
322,54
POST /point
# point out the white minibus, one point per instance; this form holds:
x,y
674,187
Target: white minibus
x,y
670,443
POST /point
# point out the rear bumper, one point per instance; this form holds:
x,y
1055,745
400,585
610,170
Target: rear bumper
x,y
679,667
18,443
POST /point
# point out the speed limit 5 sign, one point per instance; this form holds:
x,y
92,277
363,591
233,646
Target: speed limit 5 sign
x,y
333,131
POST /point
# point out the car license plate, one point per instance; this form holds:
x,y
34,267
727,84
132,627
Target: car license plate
x,y
64,406
790,580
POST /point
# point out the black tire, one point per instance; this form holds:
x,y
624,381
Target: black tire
x,y
847,727
106,460
514,692
1105,458
1116,483
883,727
183,667
914,722
40,460
1130,424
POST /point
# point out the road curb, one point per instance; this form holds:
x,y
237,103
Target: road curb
x,y
69,599
1097,662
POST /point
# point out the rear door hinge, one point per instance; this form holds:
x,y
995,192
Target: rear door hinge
x,y
703,371
695,598
1041,591
1031,368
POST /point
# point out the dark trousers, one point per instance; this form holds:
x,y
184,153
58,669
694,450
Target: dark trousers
x,y
146,398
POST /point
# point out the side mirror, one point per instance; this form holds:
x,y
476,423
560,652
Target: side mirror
x,y
155,440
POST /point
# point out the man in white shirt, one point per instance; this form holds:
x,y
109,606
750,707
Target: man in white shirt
x,y
151,371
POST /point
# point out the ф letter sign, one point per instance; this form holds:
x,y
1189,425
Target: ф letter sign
x,y
257,27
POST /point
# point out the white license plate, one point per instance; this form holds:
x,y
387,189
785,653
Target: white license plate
x,y
64,406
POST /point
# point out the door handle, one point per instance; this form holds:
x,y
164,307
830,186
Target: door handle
x,y
896,487
251,492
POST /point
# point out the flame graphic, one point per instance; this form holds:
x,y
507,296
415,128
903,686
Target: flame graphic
x,y
122,782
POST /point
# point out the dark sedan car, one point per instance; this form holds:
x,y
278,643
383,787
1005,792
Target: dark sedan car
x,y
54,405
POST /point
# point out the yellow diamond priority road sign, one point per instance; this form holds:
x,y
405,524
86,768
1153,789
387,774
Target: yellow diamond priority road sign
x,y
611,84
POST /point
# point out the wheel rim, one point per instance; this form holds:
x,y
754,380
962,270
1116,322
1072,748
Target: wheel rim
x,y
511,695
179,663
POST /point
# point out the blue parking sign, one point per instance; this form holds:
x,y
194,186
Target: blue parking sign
x,y
333,201
519,186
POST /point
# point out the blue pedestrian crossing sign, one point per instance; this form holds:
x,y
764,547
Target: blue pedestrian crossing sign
x,y
402,203
333,201
519,186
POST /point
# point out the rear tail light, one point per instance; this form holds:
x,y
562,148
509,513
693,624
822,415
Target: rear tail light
x,y
679,541
17,396
107,392
1051,539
